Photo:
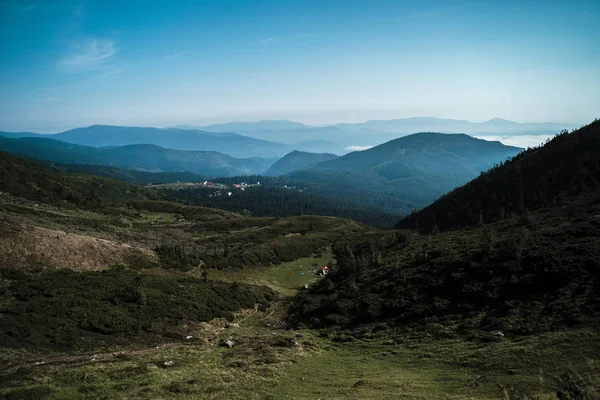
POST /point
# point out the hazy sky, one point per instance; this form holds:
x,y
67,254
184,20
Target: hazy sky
x,y
74,63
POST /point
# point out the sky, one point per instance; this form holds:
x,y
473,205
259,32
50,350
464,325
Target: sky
x,y
65,64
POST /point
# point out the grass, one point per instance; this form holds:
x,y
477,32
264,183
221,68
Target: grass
x,y
156,217
269,360
286,278
269,363
439,369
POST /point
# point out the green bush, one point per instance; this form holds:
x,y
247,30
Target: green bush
x,y
65,308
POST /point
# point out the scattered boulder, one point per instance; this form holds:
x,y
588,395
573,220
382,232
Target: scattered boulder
x,y
233,325
497,333
168,363
189,337
228,343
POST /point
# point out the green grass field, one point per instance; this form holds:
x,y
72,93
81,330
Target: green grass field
x,y
286,278
269,361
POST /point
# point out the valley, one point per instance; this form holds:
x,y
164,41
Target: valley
x,y
110,289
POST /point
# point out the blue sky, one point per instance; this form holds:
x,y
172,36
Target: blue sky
x,y
156,63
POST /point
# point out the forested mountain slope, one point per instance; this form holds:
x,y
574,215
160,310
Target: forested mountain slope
x,y
127,175
521,274
270,200
548,176
35,182
405,173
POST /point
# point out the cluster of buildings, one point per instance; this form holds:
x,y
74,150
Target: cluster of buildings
x,y
241,186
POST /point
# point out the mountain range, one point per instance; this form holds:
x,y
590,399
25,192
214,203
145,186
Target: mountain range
x,y
395,177
279,137
231,144
338,137
405,173
141,157
493,126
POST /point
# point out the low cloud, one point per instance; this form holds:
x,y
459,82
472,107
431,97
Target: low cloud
x,y
267,40
523,141
358,148
90,53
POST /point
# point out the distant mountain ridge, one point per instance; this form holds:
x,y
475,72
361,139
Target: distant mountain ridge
x,y
231,144
275,138
338,138
242,126
142,157
401,126
297,160
494,126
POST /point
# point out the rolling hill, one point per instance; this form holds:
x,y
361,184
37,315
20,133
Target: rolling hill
x,y
405,173
231,144
297,160
140,157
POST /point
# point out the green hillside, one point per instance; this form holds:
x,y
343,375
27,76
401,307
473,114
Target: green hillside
x,y
35,182
405,173
128,175
545,176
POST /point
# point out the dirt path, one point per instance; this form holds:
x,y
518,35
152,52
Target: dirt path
x,y
273,308
249,315
93,357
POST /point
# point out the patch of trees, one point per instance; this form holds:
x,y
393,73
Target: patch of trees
x,y
268,241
